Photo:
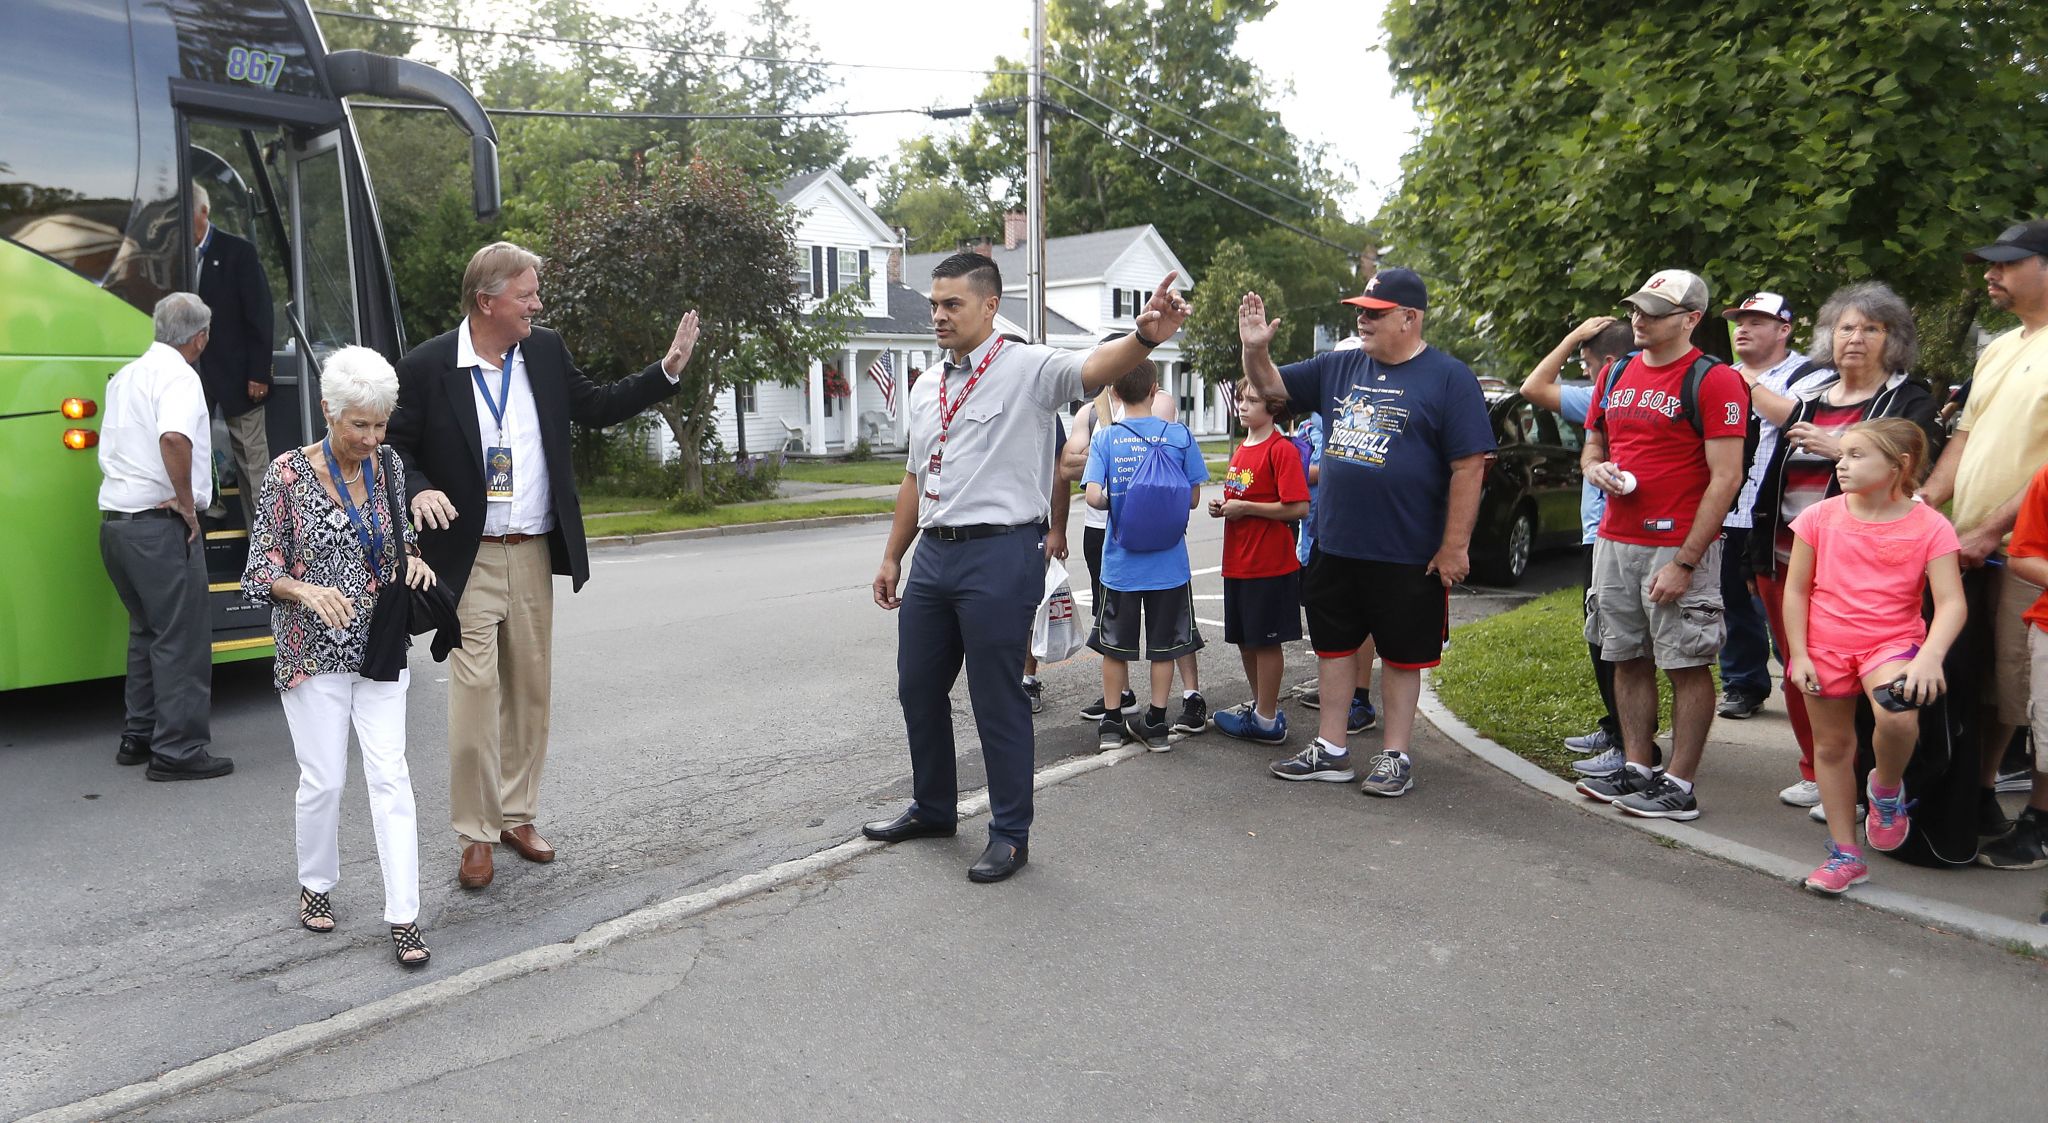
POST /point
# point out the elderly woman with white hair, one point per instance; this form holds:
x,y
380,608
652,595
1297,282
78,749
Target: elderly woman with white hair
x,y
326,542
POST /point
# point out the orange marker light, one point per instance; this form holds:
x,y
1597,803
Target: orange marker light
x,y
78,409
80,438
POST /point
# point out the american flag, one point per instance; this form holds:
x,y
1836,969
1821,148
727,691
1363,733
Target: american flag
x,y
883,371
1229,389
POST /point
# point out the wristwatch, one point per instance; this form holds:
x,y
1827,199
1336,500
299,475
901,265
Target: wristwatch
x,y
1140,337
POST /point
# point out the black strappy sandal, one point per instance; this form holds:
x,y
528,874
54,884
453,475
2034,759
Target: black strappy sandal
x,y
405,939
315,906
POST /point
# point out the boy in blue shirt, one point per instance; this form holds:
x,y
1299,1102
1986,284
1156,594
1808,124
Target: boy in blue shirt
x,y
1150,590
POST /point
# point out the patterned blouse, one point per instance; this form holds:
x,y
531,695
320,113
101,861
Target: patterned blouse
x,y
301,532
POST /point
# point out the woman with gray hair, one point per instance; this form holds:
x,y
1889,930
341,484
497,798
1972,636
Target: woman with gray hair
x,y
1864,346
326,542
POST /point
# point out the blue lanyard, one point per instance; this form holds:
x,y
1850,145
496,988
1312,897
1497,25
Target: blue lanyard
x,y
504,399
372,536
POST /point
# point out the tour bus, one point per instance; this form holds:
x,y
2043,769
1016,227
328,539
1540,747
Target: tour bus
x,y
110,111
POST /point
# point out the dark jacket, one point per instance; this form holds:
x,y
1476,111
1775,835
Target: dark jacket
x,y
1902,396
435,430
232,284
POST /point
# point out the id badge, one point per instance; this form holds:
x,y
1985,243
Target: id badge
x,y
931,475
498,473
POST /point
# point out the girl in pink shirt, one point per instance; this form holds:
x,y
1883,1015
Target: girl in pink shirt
x,y
1860,564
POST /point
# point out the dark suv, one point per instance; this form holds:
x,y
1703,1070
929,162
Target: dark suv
x,y
1530,500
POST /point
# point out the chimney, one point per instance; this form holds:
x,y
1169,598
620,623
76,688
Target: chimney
x,y
1015,229
896,255
984,247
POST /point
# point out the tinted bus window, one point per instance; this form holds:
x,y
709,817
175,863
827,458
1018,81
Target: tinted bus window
x,y
236,43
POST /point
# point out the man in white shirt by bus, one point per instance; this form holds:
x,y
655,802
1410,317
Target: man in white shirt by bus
x,y
156,457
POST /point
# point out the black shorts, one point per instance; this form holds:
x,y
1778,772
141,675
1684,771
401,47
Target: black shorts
x,y
1404,609
1262,611
1166,618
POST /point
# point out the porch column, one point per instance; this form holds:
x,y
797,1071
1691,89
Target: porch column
x,y
850,433
902,420
814,428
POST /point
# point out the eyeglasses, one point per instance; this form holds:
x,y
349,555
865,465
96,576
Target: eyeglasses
x,y
1375,314
1859,331
1639,314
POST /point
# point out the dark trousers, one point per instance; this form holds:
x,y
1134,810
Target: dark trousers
x,y
161,580
1746,653
971,602
1603,671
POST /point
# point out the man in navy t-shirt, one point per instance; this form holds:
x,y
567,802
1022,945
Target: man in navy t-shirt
x,y
1403,456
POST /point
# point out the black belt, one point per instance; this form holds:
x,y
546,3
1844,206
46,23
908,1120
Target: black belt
x,y
979,530
151,513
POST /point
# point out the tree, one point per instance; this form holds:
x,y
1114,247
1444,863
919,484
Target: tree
x,y
1210,336
638,250
1571,149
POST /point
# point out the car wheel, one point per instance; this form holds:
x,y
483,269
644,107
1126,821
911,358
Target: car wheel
x,y
1506,561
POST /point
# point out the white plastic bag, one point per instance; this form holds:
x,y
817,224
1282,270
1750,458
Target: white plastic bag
x,y
1055,632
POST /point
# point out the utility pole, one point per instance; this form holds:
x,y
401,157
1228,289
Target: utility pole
x,y
1034,180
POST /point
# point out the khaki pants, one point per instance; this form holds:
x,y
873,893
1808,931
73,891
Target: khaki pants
x,y
251,443
498,690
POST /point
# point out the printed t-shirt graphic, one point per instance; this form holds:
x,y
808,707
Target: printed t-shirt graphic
x,y
1648,436
1267,472
1113,458
1392,432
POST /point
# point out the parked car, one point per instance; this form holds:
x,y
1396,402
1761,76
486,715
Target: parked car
x,y
1530,500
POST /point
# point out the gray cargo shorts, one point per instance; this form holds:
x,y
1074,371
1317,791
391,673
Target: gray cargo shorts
x,y
1620,617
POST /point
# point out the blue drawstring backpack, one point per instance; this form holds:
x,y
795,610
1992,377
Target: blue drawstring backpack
x,y
1152,514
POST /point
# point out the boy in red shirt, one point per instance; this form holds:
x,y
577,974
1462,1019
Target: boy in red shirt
x,y
1264,491
2025,846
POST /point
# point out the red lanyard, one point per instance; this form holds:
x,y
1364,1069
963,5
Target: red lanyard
x,y
947,413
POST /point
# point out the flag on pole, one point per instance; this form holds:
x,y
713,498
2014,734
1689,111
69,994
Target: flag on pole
x,y
1229,389
883,371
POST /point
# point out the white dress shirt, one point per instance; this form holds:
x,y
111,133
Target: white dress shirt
x,y
531,509
156,394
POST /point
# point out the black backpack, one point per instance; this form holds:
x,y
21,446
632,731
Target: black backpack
x,y
1688,391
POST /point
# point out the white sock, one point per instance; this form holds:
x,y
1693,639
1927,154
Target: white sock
x,y
1190,694
1265,722
1398,754
1031,680
1642,770
1330,749
1684,785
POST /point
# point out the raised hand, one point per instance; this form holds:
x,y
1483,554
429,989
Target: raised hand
x,y
1253,329
679,348
1164,313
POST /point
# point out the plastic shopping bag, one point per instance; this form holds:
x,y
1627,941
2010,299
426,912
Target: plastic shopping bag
x,y
1056,632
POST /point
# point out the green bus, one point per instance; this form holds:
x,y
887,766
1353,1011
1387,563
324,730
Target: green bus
x,y
113,110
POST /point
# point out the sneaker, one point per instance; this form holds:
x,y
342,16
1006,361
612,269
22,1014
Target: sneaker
x,y
1313,763
1595,742
1805,793
1392,775
1621,782
2024,847
1154,735
1736,705
1109,733
1094,711
1194,716
1238,723
1887,823
1363,716
1313,699
1664,801
2019,779
1838,873
1991,820
1606,763
1819,814
1036,692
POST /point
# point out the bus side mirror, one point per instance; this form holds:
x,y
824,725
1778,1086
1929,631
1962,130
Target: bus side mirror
x,y
483,172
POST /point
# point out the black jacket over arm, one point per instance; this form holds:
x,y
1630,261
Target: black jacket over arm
x,y
234,289
435,430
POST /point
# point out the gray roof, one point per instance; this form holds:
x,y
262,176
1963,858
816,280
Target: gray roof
x,y
794,184
1013,310
909,314
1072,257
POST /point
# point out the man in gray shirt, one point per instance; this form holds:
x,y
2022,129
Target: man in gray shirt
x,y
976,487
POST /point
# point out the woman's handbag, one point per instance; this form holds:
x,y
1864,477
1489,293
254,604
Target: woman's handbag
x,y
402,612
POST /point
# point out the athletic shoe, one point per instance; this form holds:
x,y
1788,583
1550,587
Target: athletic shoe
x,y
1313,699
1238,723
1313,763
1362,717
2019,779
1154,735
1991,820
1888,822
1819,814
1805,793
1838,873
1594,742
1736,705
1391,775
1036,692
1094,711
1621,782
2024,847
1666,800
1607,763
1109,733
1194,716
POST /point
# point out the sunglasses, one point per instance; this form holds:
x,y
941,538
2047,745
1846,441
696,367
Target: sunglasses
x,y
1376,314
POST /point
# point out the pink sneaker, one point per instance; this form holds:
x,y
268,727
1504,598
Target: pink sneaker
x,y
1888,822
1838,873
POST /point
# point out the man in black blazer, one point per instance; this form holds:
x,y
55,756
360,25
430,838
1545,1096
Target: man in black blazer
x,y
482,425
236,366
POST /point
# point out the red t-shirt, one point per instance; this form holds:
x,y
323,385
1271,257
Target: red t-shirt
x,y
1647,436
2030,538
1267,472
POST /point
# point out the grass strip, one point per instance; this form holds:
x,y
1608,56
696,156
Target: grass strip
x,y
888,470
735,516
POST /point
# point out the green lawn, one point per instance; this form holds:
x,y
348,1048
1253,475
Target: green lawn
x,y
734,516
612,504
887,470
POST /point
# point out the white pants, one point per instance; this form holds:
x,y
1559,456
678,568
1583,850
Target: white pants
x,y
319,712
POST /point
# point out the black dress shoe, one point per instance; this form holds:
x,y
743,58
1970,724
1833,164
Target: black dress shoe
x,y
200,767
134,749
907,825
999,861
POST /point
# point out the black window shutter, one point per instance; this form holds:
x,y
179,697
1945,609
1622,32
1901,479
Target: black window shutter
x,y
864,270
832,266
1116,304
817,272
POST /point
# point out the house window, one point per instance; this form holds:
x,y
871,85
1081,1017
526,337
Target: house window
x,y
1138,298
849,271
743,398
800,272
829,399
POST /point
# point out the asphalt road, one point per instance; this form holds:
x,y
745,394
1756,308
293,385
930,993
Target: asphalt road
x,y
720,705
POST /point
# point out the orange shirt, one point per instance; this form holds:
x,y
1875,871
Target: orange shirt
x,y
2030,538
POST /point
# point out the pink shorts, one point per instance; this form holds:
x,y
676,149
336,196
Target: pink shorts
x,y
1841,672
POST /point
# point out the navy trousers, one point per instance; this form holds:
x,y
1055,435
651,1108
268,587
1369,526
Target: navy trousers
x,y
1746,653
971,602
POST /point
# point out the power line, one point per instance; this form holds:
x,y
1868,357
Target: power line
x,y
1190,119
1216,191
628,115
572,41
1177,144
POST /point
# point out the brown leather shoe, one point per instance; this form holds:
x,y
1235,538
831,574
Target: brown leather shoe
x,y
528,842
476,866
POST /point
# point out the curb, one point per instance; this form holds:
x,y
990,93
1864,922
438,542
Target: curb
x,y
652,918
1997,931
617,540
